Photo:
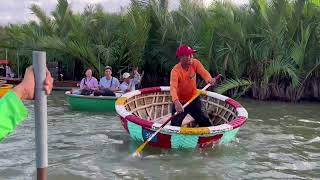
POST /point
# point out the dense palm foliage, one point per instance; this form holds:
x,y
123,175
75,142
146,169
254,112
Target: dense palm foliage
x,y
267,49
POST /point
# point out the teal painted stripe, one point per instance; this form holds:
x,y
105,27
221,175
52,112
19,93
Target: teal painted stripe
x,y
135,131
184,141
229,136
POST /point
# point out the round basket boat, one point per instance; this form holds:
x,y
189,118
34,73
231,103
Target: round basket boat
x,y
4,88
143,111
91,103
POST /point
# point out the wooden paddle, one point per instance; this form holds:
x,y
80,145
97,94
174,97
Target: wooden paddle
x,y
140,148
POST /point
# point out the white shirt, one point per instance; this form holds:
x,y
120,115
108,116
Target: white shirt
x,y
124,86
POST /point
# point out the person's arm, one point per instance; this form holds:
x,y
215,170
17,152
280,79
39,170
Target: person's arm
x,y
130,86
12,113
202,71
82,85
116,85
136,78
121,88
101,84
95,84
174,79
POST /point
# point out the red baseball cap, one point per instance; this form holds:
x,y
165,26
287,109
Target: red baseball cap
x,y
184,50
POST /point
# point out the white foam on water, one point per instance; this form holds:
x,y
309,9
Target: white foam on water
x,y
287,136
272,119
316,139
128,173
309,121
121,172
297,166
273,155
115,141
299,137
257,120
152,157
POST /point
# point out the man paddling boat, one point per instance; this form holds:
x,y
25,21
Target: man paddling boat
x,y
183,87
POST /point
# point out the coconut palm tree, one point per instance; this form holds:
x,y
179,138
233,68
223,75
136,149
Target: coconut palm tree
x,y
267,49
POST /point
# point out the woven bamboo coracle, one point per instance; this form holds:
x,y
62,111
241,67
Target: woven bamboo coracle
x,y
143,111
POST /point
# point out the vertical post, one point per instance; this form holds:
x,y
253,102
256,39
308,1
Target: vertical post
x,y
40,109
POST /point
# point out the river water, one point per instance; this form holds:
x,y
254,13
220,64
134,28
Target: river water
x,y
279,141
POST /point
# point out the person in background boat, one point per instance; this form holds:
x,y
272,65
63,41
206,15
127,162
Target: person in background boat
x,y
88,84
9,72
13,112
128,84
136,78
183,87
108,84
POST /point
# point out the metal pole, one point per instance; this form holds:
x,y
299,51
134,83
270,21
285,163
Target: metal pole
x,y
40,109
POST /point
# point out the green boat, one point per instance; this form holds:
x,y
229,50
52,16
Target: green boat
x,y
91,103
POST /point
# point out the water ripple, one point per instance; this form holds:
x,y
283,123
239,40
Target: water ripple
x,y
279,141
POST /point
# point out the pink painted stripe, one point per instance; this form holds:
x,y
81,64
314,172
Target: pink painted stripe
x,y
204,142
124,123
139,121
238,121
233,103
150,90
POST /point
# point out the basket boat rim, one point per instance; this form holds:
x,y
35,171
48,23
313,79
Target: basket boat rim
x,y
238,121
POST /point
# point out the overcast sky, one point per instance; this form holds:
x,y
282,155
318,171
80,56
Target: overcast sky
x,y
18,11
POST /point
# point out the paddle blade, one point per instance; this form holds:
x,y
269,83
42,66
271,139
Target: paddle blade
x,y
140,148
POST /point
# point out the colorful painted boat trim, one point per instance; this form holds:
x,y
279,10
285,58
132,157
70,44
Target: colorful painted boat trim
x,y
180,137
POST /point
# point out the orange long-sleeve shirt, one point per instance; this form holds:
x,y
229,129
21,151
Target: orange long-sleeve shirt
x,y
183,82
